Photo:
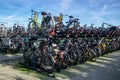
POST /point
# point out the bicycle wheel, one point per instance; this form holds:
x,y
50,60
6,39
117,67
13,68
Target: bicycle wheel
x,y
73,24
78,55
93,55
72,56
66,58
26,58
47,63
36,58
32,27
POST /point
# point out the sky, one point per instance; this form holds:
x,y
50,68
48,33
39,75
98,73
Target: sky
x,y
88,11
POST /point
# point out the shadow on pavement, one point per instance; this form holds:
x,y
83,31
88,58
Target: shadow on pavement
x,y
106,67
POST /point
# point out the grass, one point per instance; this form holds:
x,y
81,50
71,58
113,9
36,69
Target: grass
x,y
43,75
3,53
30,71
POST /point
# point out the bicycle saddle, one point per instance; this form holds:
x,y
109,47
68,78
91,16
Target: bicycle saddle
x,y
70,16
43,13
67,22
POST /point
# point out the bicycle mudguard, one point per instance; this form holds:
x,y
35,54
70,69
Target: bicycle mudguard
x,y
60,53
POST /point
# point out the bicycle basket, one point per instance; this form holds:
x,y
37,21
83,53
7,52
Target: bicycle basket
x,y
56,19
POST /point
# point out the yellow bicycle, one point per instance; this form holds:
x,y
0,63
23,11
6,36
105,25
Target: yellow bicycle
x,y
34,25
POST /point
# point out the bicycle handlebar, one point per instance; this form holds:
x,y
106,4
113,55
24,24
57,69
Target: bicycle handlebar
x,y
42,12
68,15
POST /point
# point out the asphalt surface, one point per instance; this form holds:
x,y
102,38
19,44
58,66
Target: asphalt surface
x,y
106,67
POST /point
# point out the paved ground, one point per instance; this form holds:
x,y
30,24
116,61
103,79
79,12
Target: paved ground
x,y
7,57
106,67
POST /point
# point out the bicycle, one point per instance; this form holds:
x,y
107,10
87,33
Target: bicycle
x,y
34,27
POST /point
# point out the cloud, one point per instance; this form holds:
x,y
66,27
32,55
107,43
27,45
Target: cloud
x,y
14,4
113,22
110,6
105,7
93,3
16,16
100,13
98,20
98,16
114,5
13,19
24,8
65,5
91,11
9,6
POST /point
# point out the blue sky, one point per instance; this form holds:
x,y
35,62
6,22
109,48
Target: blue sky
x,y
88,11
